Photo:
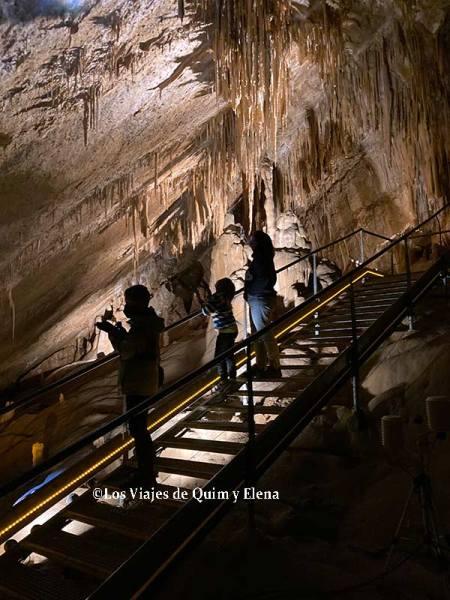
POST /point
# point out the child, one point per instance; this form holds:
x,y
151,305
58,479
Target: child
x,y
219,307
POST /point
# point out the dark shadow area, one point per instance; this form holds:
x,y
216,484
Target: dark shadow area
x,y
200,62
22,193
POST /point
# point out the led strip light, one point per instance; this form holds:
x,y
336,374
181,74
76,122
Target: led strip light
x,y
114,453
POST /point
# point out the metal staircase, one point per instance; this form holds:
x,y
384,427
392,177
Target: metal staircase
x,y
218,440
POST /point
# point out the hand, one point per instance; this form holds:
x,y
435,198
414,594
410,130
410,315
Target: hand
x,y
105,326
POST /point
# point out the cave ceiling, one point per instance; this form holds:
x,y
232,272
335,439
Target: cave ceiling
x,y
129,128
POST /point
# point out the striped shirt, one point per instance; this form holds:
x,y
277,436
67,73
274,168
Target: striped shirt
x,y
222,313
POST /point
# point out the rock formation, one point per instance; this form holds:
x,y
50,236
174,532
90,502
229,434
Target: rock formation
x,y
129,130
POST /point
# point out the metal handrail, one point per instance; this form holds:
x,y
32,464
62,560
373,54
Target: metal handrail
x,y
113,356
27,399
378,235
163,393
192,520
330,293
171,388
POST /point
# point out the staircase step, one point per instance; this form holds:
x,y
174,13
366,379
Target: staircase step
x,y
276,393
316,325
327,338
400,289
300,378
221,426
121,478
342,312
367,303
200,445
307,343
138,522
340,321
259,410
78,551
305,377
383,283
23,582
313,356
387,295
191,468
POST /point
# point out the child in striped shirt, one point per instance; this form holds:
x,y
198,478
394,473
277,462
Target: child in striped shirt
x,y
219,307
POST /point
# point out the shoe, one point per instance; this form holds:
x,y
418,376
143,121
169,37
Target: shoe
x,y
145,481
272,372
258,372
220,387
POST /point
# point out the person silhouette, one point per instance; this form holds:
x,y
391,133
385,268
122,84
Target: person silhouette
x,y
260,294
139,371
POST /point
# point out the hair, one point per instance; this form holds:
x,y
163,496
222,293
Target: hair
x,y
226,287
263,244
138,294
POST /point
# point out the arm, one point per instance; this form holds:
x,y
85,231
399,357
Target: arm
x,y
249,275
116,333
158,324
210,306
134,343
142,339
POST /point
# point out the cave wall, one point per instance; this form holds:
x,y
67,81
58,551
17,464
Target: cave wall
x,y
129,129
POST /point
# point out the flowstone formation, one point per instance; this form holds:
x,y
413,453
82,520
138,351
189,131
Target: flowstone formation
x,y
129,131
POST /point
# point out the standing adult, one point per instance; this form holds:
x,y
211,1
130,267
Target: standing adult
x,y
139,371
259,291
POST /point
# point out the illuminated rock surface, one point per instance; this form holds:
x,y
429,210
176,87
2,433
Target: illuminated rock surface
x,y
118,156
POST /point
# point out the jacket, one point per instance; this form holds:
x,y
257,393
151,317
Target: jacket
x,y
221,311
260,277
139,353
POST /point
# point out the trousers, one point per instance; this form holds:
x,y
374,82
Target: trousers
x,y
227,368
261,312
144,450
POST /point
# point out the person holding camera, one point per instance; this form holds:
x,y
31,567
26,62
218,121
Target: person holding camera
x,y
139,371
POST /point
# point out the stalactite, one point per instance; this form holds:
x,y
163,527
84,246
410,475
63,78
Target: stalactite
x,y
181,9
12,306
90,108
388,88
135,244
251,41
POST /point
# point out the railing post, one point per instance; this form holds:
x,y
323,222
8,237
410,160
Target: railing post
x,y
361,245
441,243
124,432
355,358
246,320
250,459
315,286
408,285
315,290
445,275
